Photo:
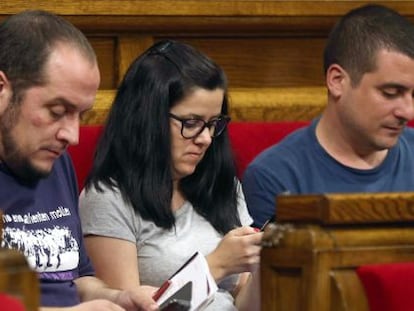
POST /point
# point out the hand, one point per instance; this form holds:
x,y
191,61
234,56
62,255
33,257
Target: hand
x,y
238,251
139,299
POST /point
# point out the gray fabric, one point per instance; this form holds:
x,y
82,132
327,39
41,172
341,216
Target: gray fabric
x,y
160,252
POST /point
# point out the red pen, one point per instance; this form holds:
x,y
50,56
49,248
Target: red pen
x,y
161,290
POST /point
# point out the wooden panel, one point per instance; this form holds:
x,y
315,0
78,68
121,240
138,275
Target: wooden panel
x,y
266,62
129,47
327,255
105,51
347,208
246,104
347,291
196,7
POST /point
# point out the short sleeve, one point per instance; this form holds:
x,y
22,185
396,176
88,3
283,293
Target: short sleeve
x,y
107,214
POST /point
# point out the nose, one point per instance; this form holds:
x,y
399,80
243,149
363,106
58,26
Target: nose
x,y
406,110
204,137
69,131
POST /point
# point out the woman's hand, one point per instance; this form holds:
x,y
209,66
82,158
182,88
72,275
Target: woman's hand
x,y
238,251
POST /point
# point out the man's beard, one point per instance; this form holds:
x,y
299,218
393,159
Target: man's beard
x,y
12,157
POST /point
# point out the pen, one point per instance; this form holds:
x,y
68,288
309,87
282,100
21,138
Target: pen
x,y
271,219
161,290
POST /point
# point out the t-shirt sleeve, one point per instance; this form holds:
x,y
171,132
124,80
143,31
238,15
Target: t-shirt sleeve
x,y
106,214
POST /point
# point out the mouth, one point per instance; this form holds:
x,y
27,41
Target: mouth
x,y
55,153
395,128
194,155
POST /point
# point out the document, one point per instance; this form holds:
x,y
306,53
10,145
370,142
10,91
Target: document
x,y
203,286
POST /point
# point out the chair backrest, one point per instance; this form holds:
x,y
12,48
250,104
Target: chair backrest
x,y
9,303
388,286
247,139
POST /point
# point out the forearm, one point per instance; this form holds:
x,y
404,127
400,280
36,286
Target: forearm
x,y
90,288
248,297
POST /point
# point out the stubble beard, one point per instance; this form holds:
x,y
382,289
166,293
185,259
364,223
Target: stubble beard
x,y
12,156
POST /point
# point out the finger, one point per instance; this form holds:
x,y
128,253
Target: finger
x,y
245,230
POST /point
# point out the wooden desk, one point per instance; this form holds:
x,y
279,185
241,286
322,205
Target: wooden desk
x,y
309,258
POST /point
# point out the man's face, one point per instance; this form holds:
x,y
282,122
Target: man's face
x,y
36,131
375,112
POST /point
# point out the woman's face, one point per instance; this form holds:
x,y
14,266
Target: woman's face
x,y
187,153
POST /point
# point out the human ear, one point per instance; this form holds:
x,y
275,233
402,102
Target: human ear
x,y
5,92
336,80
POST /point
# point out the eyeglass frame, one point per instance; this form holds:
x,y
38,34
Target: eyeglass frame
x,y
207,124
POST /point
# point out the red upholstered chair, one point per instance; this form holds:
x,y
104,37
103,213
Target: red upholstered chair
x,y
82,154
248,139
9,303
388,287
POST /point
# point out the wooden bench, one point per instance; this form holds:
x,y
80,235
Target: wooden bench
x,y
310,257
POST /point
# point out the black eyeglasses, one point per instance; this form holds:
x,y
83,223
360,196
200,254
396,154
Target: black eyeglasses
x,y
193,127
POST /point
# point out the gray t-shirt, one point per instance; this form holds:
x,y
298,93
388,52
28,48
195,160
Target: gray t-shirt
x,y
160,252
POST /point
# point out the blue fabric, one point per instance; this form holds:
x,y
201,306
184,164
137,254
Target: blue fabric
x,y
42,221
299,165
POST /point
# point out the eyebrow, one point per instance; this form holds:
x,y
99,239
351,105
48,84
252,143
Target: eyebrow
x,y
199,117
393,85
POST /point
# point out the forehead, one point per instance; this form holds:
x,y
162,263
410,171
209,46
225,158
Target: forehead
x,y
392,67
71,76
201,100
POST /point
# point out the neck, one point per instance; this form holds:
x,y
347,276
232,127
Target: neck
x,y
342,147
177,199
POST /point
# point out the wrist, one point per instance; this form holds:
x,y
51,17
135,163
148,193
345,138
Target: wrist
x,y
217,270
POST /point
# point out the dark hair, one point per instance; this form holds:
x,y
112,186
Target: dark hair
x,y
357,37
134,153
26,41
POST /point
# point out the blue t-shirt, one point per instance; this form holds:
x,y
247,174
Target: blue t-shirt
x,y
299,165
42,221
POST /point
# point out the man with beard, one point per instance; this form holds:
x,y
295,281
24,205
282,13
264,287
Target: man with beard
x,y
360,143
48,78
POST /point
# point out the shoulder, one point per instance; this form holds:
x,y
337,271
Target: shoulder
x,y
408,133
103,198
288,149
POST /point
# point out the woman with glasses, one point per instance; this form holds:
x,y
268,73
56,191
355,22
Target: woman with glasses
x,y
163,184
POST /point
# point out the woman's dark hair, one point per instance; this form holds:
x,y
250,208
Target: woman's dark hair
x,y
134,152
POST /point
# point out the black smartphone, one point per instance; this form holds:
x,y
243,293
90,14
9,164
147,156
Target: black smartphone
x,y
180,300
176,305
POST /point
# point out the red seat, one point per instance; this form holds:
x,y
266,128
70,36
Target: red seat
x,y
9,303
82,154
388,287
247,139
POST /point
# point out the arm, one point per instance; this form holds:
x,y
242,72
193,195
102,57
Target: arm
x,y
248,298
238,251
115,261
93,289
119,266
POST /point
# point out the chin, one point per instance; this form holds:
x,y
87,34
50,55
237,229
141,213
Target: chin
x,y
30,173
185,171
